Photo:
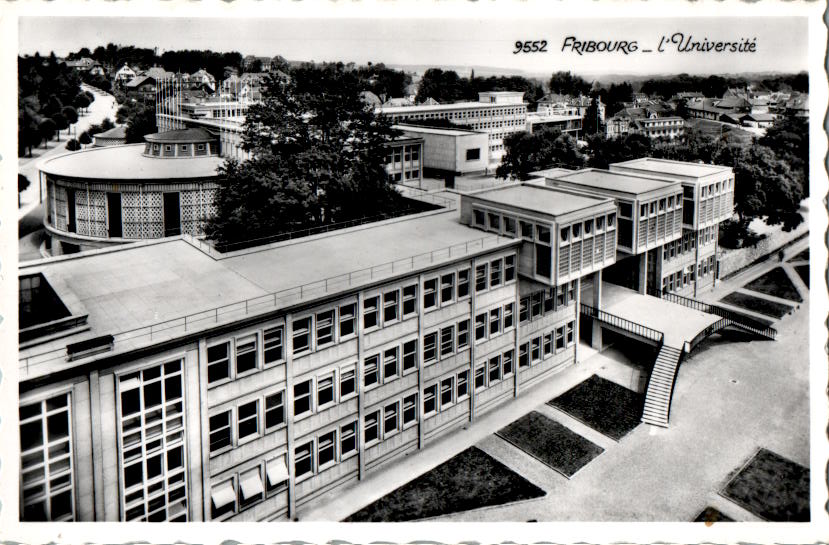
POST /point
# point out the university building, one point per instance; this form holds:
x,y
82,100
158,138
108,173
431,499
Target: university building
x,y
497,113
163,380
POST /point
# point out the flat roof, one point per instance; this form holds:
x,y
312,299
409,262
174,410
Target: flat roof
x,y
678,168
435,130
614,181
137,285
539,117
128,163
553,202
552,172
440,107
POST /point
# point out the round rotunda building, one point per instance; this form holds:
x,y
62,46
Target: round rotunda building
x,y
116,194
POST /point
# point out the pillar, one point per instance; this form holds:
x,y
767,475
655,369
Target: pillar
x,y
596,339
643,273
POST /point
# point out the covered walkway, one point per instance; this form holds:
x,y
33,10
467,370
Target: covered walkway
x,y
678,323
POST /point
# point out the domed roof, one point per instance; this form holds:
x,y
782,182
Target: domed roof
x,y
180,136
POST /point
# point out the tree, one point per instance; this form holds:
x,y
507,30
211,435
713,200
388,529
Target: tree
x,y
603,151
61,122
529,152
81,101
71,114
139,119
22,184
47,128
565,83
789,139
255,66
84,138
443,86
591,124
318,158
73,145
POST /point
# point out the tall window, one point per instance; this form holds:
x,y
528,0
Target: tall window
x,y
390,300
509,268
273,344
245,354
495,273
463,283
325,390
430,288
480,277
151,442
347,313
325,328
447,392
247,421
409,355
326,448
371,370
348,439
430,341
447,341
409,409
391,366
371,428
274,410
46,460
447,288
348,382
410,300
218,362
302,335
480,326
390,418
463,334
371,312
302,398
303,459
221,433
430,400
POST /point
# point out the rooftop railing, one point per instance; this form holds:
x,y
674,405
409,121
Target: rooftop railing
x,y
169,329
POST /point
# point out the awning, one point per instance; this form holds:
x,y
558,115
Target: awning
x,y
277,472
251,486
223,495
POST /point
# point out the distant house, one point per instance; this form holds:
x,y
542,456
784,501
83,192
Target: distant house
x,y
392,102
124,75
734,104
370,99
758,120
430,102
203,77
97,69
797,106
143,87
705,108
159,74
82,64
651,121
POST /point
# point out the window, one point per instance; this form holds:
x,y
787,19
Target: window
x,y
494,221
348,382
430,400
46,460
152,430
223,498
509,225
274,410
430,288
494,369
524,310
480,376
250,486
220,431
447,392
390,419
494,321
371,428
463,283
479,217
347,313
537,302
430,341
325,390
447,288
245,354
473,154
410,300
276,473
247,419
325,328
409,409
495,273
569,333
463,334
302,335
523,355
526,230
480,277
218,362
480,326
303,459
447,341
535,349
371,316
302,398
559,338
371,370
507,362
463,385
543,233
390,299
390,365
348,439
273,344
509,268
409,355
327,448
548,344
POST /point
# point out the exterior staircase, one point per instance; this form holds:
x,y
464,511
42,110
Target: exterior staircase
x,y
661,387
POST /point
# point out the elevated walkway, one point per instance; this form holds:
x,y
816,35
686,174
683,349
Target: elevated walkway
x,y
675,324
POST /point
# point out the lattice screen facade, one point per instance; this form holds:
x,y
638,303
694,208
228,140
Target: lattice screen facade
x,y
92,214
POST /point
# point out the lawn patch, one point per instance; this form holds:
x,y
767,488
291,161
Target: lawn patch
x,y
470,480
772,487
763,306
775,282
603,405
550,443
803,273
709,514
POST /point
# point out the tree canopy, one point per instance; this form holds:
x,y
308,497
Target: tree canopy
x,y
446,86
139,119
318,158
566,83
529,152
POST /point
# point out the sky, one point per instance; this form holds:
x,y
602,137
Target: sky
x,y
781,42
